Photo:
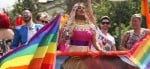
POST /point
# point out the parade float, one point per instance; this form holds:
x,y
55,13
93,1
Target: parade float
x,y
41,53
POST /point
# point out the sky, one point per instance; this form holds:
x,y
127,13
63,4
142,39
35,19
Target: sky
x,y
7,4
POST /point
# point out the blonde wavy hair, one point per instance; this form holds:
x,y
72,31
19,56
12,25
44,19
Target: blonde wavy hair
x,y
89,18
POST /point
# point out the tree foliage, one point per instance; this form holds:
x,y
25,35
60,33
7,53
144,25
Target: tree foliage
x,y
32,5
119,12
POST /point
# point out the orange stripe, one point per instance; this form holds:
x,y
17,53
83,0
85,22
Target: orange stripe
x,y
49,58
19,67
142,8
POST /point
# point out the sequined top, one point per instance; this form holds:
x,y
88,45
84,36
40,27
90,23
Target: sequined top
x,y
132,38
81,35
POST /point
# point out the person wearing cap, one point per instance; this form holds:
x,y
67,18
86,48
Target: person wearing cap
x,y
135,34
24,32
104,38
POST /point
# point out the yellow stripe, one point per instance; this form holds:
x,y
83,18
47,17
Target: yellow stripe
x,y
52,48
19,61
134,60
139,47
142,51
41,51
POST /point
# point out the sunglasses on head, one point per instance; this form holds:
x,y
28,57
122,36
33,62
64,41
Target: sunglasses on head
x,y
105,22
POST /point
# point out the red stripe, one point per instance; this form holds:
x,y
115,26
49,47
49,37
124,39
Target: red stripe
x,y
48,61
47,66
49,58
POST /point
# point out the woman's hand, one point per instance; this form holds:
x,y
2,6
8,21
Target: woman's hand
x,y
103,52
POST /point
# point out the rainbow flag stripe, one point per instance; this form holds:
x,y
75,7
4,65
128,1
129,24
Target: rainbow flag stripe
x,y
41,46
140,53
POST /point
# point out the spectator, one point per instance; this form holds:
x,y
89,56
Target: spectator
x,y
6,33
135,34
105,40
24,32
42,18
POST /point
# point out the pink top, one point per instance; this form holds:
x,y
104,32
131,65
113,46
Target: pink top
x,y
81,36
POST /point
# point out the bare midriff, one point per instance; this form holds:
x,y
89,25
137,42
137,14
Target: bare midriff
x,y
74,48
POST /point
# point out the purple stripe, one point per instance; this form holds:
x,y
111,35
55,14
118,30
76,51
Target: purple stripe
x,y
147,66
79,43
46,28
147,62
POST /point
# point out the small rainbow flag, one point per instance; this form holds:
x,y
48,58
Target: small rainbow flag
x,y
38,53
140,53
145,14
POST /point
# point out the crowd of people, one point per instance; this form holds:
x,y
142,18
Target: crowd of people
x,y
80,33
12,37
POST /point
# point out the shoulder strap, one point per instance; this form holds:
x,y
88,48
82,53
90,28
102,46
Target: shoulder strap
x,y
128,34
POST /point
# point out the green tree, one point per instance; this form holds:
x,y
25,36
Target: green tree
x,y
119,12
32,5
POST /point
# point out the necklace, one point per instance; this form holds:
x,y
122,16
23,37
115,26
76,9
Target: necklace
x,y
80,22
82,27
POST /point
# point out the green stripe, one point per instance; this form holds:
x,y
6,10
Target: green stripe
x,y
145,55
54,38
48,39
31,49
28,51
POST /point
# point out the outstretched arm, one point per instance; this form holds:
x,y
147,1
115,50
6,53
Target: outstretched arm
x,y
90,12
96,45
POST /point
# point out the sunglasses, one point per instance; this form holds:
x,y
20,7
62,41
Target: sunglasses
x,y
105,22
44,21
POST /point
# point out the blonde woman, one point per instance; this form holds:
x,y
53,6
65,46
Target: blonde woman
x,y
135,34
81,32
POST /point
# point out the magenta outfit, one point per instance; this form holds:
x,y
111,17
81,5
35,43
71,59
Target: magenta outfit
x,y
81,36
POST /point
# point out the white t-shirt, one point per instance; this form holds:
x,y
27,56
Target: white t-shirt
x,y
31,32
107,40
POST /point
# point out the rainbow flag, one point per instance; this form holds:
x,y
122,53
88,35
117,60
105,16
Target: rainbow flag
x,y
140,53
39,50
145,14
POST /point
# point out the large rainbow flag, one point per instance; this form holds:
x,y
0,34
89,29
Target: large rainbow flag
x,y
38,53
140,53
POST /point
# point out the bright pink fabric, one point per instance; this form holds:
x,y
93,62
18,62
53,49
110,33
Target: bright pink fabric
x,y
80,35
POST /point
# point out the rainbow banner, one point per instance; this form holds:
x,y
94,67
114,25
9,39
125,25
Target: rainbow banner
x,y
145,14
38,53
140,53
